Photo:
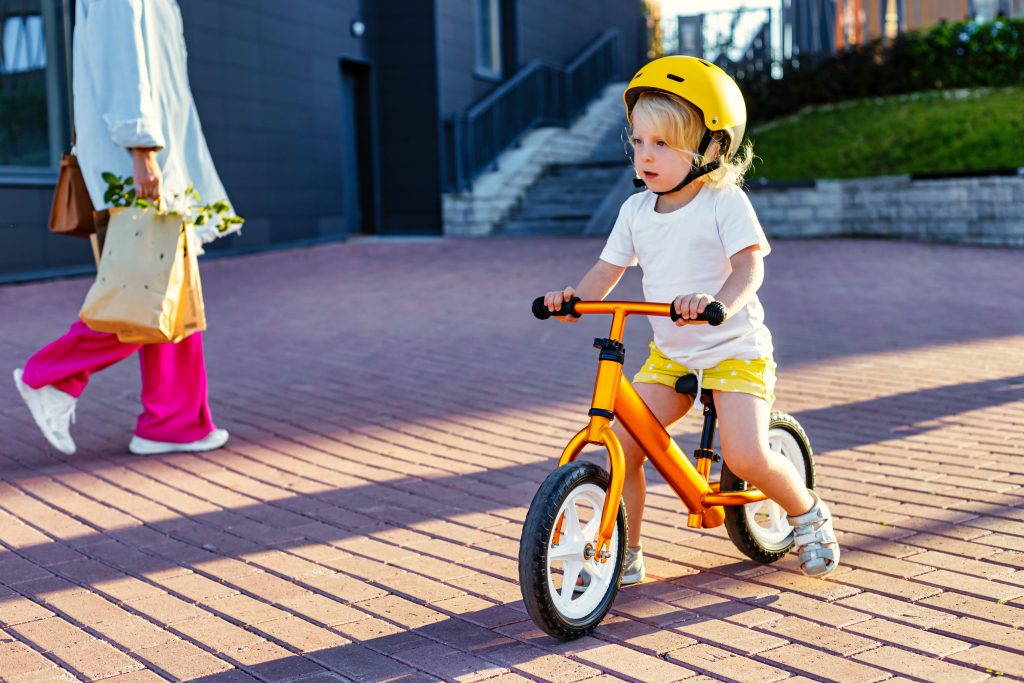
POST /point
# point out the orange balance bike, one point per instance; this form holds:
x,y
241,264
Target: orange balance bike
x,y
576,524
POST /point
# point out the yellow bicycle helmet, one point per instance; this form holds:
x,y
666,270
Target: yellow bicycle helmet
x,y
712,91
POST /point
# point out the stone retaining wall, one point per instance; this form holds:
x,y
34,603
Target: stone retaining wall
x,y
986,210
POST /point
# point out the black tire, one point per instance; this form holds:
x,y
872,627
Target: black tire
x,y
534,546
737,522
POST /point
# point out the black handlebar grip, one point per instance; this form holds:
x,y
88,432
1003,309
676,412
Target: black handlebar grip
x,y
714,314
541,312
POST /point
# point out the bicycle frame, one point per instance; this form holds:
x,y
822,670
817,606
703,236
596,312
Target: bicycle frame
x,y
615,395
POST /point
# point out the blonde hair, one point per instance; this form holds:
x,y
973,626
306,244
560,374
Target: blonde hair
x,y
681,126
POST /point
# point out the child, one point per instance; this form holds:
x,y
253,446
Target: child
x,y
697,239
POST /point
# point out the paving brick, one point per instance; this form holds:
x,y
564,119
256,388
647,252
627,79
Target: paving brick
x,y
215,635
541,665
449,663
95,660
724,665
981,587
17,610
271,662
730,636
361,664
967,605
166,609
245,609
830,639
897,588
19,659
320,609
652,611
897,610
829,591
823,665
991,660
909,637
197,588
811,609
918,666
301,635
635,665
984,633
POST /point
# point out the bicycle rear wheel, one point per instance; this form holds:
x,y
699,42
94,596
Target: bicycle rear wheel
x,y
760,530
557,548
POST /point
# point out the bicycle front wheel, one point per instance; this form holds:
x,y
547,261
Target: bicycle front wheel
x,y
760,530
567,591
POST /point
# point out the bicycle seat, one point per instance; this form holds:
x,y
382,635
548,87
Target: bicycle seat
x,y
687,384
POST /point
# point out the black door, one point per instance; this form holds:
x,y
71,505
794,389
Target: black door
x,y
359,149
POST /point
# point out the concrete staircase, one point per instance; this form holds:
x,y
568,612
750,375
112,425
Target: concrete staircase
x,y
575,198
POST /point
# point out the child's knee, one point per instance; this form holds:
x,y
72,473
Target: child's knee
x,y
748,462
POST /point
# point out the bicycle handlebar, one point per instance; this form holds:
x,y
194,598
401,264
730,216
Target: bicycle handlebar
x,y
714,313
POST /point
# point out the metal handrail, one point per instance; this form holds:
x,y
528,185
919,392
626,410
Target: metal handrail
x,y
539,94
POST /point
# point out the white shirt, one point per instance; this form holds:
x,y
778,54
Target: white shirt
x,y
687,251
131,90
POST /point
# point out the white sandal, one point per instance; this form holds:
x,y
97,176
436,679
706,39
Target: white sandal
x,y
815,539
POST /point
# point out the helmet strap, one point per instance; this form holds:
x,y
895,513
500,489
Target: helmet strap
x,y
695,170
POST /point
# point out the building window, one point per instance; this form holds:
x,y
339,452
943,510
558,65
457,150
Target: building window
x,y
33,82
488,38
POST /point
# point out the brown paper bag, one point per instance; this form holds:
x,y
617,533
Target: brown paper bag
x,y
147,284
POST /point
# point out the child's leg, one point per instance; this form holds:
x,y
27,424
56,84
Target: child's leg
x,y
743,420
67,362
668,406
174,393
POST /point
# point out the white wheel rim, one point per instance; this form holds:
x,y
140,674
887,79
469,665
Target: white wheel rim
x,y
567,559
766,519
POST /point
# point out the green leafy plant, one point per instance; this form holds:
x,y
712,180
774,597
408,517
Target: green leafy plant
x,y
121,192
949,55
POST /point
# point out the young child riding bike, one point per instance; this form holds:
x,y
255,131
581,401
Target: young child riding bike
x,y
697,239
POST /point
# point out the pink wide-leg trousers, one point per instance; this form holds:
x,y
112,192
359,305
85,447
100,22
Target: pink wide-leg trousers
x,y
174,393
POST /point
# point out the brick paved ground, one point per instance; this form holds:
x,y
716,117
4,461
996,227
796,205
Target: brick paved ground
x,y
393,407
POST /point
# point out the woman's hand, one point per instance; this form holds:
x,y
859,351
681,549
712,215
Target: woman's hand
x,y
690,306
554,300
148,178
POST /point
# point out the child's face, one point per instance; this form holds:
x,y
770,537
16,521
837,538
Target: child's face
x,y
660,166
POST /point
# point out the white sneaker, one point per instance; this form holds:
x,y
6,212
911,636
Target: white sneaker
x,y
633,570
53,411
212,441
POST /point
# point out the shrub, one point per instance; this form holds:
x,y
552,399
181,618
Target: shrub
x,y
960,54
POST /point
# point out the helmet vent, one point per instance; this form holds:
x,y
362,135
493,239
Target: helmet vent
x,y
677,79
703,62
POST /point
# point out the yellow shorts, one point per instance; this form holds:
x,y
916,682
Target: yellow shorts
x,y
754,377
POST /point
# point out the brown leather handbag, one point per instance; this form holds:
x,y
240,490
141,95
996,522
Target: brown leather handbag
x,y
72,209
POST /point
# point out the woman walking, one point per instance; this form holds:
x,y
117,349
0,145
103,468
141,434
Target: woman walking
x,y
134,115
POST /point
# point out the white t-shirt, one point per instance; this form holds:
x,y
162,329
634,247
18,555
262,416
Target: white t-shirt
x,y
687,251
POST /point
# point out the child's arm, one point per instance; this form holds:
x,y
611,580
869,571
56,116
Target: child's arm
x,y
594,286
745,279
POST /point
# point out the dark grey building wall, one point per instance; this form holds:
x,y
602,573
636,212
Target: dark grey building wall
x,y
409,140
552,31
267,83
558,30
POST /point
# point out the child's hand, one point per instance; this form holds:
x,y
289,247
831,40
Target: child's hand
x,y
690,306
554,300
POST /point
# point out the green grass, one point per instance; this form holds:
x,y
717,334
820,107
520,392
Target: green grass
x,y
918,133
